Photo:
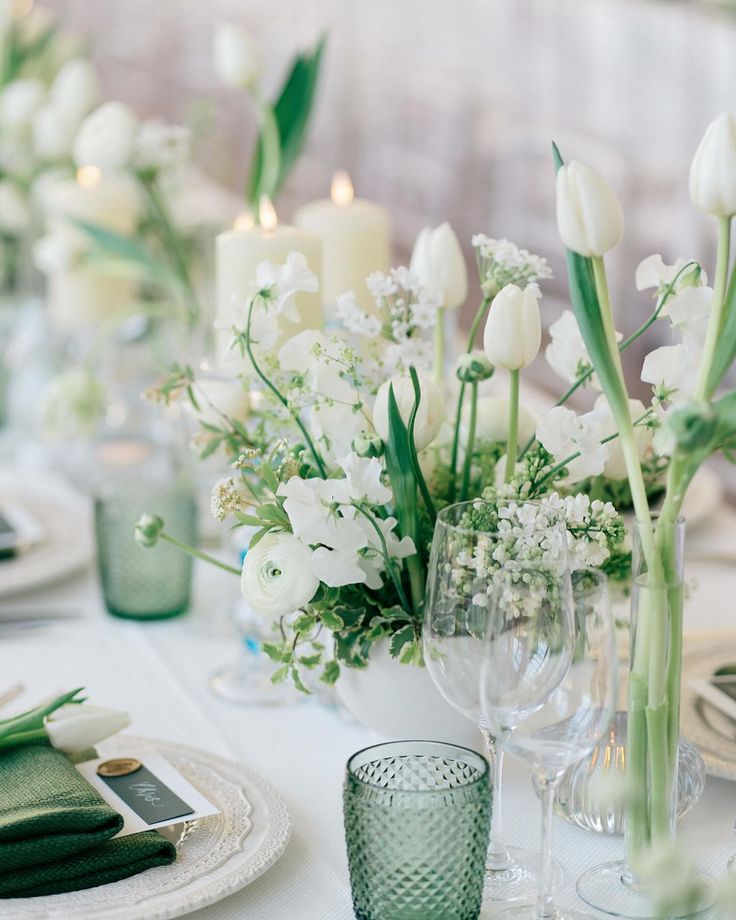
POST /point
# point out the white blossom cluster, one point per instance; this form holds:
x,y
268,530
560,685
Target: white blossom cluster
x,y
501,262
226,497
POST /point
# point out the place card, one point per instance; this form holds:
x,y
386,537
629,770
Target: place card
x,y
148,791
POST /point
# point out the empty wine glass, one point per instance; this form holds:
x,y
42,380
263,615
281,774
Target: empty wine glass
x,y
549,680
472,540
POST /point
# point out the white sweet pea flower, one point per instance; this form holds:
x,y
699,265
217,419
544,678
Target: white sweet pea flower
x,y
74,728
372,560
437,260
615,467
106,137
673,367
590,220
283,282
237,57
430,414
312,508
339,566
363,481
513,331
15,215
75,89
653,272
563,433
492,422
277,576
566,353
689,311
713,170
18,103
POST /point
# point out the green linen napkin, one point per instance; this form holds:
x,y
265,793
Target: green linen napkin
x,y
56,830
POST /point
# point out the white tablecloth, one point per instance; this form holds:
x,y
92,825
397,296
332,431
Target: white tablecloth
x,y
159,671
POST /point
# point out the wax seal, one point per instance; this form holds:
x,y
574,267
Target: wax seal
x,y
119,766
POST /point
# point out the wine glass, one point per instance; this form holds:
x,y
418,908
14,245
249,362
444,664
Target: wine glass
x,y
472,540
549,679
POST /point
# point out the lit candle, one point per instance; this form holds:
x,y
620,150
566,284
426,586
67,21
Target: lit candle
x,y
82,296
238,254
356,239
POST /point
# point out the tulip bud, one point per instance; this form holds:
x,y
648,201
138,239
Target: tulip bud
x,y
74,728
590,220
237,58
513,330
438,262
148,528
713,170
474,367
430,414
368,445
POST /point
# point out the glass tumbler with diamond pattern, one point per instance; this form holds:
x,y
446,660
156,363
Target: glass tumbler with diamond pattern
x,y
417,823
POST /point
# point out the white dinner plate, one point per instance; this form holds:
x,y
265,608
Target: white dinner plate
x,y
65,547
215,857
713,733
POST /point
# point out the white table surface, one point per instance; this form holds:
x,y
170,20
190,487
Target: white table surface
x,y
159,671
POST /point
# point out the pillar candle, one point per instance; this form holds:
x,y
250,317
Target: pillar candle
x,y
356,240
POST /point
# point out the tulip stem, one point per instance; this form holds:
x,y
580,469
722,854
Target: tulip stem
x,y
439,345
198,554
470,446
716,315
512,443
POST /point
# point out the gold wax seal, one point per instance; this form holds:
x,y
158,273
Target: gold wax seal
x,y
120,766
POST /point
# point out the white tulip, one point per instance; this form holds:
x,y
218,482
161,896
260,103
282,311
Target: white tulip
x,y
513,330
53,132
217,397
74,728
18,102
438,263
15,215
75,89
277,575
106,137
713,170
237,57
590,220
430,415
492,422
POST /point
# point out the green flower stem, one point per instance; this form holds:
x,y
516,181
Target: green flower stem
x,y
716,316
19,738
270,151
439,345
474,326
198,554
512,444
637,815
391,566
277,393
470,446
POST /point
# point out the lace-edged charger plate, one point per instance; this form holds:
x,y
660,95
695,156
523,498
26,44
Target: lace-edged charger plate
x,y
216,856
710,730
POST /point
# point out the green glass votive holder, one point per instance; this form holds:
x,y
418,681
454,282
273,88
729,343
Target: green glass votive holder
x,y
417,824
145,583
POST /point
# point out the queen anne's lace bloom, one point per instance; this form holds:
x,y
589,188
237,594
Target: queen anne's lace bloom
x,y
501,262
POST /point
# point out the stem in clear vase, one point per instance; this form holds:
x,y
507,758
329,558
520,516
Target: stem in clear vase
x,y
498,855
545,906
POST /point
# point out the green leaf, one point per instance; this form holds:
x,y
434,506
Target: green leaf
x,y
276,652
399,640
280,675
333,621
298,682
310,661
305,622
331,673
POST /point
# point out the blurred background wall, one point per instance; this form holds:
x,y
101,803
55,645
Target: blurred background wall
x,y
445,110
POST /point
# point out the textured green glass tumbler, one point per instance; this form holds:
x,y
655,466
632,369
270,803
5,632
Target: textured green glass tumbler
x,y
142,583
417,823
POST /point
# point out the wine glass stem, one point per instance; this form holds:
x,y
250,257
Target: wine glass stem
x,y
545,907
498,855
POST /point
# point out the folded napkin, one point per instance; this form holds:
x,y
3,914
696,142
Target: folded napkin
x,y
56,830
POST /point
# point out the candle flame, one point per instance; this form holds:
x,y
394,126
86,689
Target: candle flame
x,y
267,213
244,221
89,176
341,190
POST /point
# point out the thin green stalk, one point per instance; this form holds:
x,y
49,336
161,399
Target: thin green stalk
x,y
716,316
512,444
198,554
270,151
416,467
439,346
470,446
390,563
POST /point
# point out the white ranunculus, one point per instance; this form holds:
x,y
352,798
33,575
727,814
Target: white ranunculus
x,y
15,215
430,415
674,367
590,220
106,137
277,576
438,263
238,60
513,330
563,433
218,396
74,728
18,103
615,467
713,170
492,423
75,89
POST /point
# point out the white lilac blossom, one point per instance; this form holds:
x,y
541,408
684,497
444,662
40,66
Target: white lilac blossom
x,y
277,576
590,219
591,527
501,262
563,433
430,414
513,331
437,261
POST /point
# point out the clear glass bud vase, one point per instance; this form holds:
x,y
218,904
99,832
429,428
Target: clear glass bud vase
x,y
653,734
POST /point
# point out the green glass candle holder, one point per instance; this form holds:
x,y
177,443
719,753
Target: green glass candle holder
x,y
417,823
143,583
